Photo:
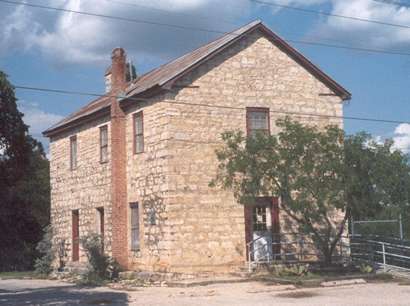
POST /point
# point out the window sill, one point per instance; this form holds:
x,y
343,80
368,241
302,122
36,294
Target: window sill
x,y
104,162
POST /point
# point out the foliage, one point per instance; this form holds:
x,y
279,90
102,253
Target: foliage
x,y
366,268
101,266
291,270
317,173
43,264
24,186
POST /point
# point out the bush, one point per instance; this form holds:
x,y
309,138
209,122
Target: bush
x,y
291,270
43,265
101,266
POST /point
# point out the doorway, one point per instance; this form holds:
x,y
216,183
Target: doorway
x,y
75,235
262,229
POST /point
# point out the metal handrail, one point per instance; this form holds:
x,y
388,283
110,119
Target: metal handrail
x,y
300,243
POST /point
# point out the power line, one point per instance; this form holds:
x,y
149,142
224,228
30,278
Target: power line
x,y
306,10
229,21
278,111
396,3
111,17
140,21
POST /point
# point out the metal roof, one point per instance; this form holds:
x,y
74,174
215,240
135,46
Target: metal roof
x,y
166,74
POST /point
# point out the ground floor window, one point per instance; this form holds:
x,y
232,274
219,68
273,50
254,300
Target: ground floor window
x,y
135,227
100,224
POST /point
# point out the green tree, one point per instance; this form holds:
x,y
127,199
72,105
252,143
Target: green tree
x,y
24,185
318,174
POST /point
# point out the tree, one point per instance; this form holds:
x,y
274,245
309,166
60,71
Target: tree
x,y
321,175
24,185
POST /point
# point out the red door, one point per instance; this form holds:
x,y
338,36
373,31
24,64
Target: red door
x,y
76,232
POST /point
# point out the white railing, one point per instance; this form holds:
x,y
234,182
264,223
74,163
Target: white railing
x,y
386,254
289,247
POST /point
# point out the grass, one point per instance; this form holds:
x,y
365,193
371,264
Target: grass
x,y
18,275
315,279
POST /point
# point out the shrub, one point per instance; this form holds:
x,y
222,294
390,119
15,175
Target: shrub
x,y
43,265
101,266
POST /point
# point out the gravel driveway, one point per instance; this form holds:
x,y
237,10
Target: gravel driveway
x,y
43,292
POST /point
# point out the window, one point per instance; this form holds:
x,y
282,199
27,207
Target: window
x,y
73,152
103,144
100,225
135,227
138,133
259,218
257,121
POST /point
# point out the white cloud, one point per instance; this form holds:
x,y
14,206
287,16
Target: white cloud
x,y
38,120
73,38
402,137
16,30
366,33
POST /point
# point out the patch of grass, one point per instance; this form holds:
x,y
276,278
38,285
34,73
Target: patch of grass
x,y
297,294
18,275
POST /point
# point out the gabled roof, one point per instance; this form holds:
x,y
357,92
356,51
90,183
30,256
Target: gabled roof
x,y
165,75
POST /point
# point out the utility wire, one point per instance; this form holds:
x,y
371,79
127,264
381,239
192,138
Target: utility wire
x,y
59,91
141,21
232,22
229,21
306,10
396,3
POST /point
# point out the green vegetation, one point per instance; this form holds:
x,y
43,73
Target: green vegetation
x,y
101,266
24,186
43,264
18,275
316,172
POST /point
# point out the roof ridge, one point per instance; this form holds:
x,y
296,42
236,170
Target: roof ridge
x,y
167,73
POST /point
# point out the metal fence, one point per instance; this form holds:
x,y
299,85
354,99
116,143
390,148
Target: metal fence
x,y
385,252
291,248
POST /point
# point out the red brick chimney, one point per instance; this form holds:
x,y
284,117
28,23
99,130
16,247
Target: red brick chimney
x,y
118,160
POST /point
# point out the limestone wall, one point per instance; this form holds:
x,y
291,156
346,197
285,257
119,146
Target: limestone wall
x,y
196,228
207,224
85,188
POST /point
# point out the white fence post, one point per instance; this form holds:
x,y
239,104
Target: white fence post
x,y
384,257
401,227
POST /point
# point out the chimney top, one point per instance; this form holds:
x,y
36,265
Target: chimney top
x,y
118,53
117,77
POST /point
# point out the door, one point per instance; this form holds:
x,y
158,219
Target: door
x,y
262,229
75,235
261,233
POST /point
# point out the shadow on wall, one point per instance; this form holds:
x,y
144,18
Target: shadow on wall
x,y
154,218
62,295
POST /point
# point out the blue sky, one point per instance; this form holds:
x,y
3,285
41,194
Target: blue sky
x,y
67,51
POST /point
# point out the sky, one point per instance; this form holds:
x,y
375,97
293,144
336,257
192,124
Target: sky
x,y
46,48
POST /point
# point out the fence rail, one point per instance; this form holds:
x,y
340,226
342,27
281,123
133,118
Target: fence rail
x,y
386,254
382,251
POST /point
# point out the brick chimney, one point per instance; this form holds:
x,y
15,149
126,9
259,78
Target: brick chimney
x,y
118,159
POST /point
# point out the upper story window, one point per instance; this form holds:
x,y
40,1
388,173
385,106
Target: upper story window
x,y
257,121
104,144
73,152
138,132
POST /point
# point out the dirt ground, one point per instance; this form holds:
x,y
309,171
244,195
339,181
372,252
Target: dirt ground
x,y
43,292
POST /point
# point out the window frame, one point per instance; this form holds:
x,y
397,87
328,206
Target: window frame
x,y
73,156
135,226
136,116
257,110
103,128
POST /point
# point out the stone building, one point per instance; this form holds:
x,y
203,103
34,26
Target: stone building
x,y
134,165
